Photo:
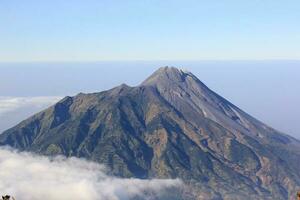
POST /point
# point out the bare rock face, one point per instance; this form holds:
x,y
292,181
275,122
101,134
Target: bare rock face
x,y
170,126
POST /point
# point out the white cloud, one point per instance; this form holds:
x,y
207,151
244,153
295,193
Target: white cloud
x,y
15,109
28,176
10,104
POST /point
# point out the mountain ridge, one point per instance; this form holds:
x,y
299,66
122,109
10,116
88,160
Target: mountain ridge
x,y
170,126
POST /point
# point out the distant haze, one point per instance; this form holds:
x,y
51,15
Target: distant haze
x,y
268,90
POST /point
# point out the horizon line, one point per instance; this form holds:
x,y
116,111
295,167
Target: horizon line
x,y
148,60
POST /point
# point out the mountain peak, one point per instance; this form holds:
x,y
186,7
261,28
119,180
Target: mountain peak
x,y
167,74
174,127
171,69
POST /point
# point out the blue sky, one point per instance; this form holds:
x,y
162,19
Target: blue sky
x,y
90,30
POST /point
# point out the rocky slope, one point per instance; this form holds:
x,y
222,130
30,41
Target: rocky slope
x,y
171,125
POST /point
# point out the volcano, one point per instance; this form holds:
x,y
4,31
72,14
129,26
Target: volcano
x,y
170,126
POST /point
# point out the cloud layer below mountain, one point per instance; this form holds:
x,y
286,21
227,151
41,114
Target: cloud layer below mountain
x,y
28,176
9,104
15,109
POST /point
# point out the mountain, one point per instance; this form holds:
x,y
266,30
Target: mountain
x,y
169,126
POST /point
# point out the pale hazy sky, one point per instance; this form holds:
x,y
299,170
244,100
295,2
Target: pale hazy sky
x,y
77,30
268,90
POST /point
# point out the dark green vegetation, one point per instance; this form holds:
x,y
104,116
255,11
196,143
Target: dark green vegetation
x,y
170,126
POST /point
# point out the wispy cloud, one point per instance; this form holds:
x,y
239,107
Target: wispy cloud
x,y
10,104
31,177
15,109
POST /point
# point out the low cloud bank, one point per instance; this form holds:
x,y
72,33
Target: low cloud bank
x,y
10,104
15,109
28,176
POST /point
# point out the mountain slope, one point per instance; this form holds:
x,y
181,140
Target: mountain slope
x,y
171,125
